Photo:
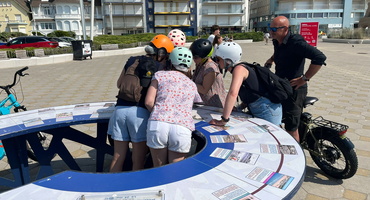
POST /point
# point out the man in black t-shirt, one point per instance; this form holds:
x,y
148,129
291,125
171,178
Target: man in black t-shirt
x,y
290,52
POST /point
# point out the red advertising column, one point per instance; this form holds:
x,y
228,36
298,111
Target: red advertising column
x,y
310,32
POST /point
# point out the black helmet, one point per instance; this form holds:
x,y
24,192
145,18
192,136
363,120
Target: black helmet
x,y
201,48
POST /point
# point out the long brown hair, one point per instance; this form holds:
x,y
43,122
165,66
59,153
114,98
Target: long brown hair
x,y
215,40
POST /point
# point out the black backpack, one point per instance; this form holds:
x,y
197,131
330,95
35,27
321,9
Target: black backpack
x,y
278,89
136,78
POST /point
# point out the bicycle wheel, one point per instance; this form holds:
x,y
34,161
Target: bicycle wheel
x,y
45,140
331,154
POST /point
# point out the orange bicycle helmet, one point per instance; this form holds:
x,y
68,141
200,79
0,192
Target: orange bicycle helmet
x,y
162,41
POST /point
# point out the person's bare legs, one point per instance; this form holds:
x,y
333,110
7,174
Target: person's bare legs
x,y
176,156
119,156
159,156
139,151
295,134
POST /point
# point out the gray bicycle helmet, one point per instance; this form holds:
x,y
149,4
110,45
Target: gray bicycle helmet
x,y
201,48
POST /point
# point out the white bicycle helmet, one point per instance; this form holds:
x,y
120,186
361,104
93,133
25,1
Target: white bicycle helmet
x,y
177,37
229,51
181,58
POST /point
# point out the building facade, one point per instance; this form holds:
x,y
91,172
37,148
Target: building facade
x,y
65,15
331,14
230,15
14,16
123,16
164,15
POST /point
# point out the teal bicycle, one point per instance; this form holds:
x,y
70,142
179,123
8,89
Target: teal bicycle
x,y
9,102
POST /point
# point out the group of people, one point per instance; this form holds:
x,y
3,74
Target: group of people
x,y
162,122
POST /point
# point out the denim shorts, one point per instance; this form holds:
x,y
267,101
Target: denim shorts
x,y
175,137
129,123
263,108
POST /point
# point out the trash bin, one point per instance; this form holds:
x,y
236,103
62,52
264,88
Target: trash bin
x,y
82,49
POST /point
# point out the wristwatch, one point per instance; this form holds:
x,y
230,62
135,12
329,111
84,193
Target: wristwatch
x,y
224,119
305,78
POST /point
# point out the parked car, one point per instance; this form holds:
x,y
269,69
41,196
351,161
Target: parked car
x,y
69,39
29,41
61,42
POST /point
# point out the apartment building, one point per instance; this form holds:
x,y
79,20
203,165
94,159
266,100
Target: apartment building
x,y
331,14
66,15
230,15
123,16
14,16
165,15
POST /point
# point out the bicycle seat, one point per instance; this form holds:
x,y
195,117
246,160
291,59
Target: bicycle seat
x,y
309,101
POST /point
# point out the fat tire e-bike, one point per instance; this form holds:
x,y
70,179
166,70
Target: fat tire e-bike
x,y
327,144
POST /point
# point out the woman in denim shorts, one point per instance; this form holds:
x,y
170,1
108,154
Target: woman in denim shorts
x,y
244,83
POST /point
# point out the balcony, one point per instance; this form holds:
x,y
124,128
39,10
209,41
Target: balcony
x,y
222,24
222,12
223,1
123,1
68,16
121,25
171,10
171,23
124,14
17,22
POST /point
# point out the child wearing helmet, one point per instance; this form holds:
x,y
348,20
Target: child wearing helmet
x,y
228,56
207,75
128,122
170,99
160,47
177,37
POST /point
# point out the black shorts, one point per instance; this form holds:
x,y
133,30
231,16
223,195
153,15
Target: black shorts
x,y
292,109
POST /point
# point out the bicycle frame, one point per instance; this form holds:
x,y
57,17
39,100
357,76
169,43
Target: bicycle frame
x,y
5,109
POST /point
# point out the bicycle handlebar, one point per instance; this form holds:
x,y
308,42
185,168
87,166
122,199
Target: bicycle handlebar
x,y
20,73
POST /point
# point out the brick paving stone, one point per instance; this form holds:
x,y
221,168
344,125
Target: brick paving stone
x,y
343,87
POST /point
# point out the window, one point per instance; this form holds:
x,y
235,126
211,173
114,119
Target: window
x,y
74,10
59,25
301,15
75,26
60,10
333,15
67,10
46,10
47,25
18,18
35,39
67,26
17,41
318,15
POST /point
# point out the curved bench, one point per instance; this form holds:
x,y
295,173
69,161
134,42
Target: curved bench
x,y
238,160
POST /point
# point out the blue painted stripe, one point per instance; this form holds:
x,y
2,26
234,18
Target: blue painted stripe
x,y
107,182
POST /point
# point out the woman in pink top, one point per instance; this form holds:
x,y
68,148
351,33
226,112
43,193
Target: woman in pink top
x,y
207,75
170,99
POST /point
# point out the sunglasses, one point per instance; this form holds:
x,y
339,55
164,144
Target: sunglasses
x,y
274,29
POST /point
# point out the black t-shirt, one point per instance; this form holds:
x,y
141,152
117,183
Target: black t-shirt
x,y
251,89
289,57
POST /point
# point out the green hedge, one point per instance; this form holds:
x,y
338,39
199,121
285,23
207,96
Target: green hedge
x,y
128,41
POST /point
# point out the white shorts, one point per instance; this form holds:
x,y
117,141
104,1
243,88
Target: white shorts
x,y
175,137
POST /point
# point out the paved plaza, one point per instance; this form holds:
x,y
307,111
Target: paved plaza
x,y
343,87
